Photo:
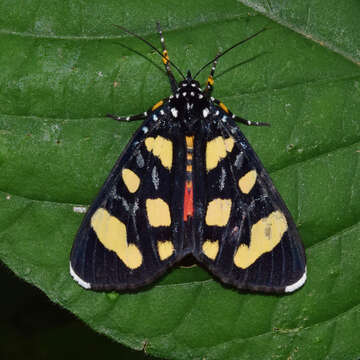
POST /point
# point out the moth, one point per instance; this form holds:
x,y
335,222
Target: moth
x,y
187,183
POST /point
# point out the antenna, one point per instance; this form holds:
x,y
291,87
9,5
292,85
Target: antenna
x,y
226,51
151,45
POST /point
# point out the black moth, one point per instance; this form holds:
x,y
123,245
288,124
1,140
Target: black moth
x,y
188,182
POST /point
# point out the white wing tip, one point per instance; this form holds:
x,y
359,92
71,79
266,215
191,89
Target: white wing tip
x,y
80,281
297,284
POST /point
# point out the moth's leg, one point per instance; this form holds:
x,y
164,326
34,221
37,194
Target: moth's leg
x,y
166,62
141,116
248,122
238,118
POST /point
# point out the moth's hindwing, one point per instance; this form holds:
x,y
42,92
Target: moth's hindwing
x,y
130,235
247,236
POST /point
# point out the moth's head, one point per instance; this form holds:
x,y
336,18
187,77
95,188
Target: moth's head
x,y
188,103
189,81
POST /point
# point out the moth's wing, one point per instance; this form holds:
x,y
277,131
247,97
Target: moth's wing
x,y
247,235
128,236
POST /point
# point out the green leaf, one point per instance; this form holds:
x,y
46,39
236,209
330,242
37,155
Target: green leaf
x,y
64,66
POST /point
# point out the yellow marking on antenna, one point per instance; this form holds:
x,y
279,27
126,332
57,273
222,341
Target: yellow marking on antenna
x,y
165,58
210,80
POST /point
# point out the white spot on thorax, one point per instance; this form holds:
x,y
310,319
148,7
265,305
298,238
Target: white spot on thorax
x,y
174,112
206,112
145,129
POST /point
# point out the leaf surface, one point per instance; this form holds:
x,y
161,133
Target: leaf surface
x,y
64,66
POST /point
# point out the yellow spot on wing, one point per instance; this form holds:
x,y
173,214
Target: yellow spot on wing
x,y
229,144
111,232
210,248
165,249
158,212
158,104
161,148
218,212
216,150
265,235
247,182
131,180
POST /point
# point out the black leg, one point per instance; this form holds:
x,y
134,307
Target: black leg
x,y
248,122
238,118
166,62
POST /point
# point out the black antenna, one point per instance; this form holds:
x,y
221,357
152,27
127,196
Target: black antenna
x,y
226,51
152,46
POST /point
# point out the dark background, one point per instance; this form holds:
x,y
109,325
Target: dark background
x,y
32,327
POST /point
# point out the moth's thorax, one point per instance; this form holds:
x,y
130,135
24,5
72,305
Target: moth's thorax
x,y
189,104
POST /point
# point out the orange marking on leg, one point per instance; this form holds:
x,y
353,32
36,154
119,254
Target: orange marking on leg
x,y
158,104
188,200
223,106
